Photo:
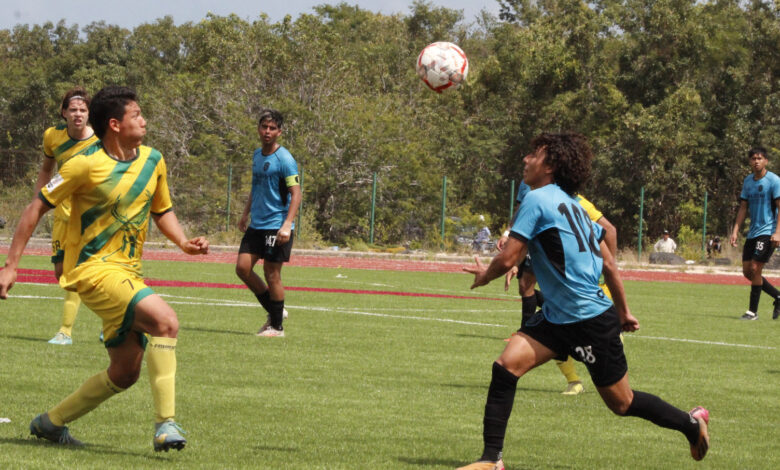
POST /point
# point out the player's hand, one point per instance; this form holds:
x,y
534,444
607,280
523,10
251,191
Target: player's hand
x,y
733,240
283,235
243,224
479,273
196,246
509,275
775,239
501,242
629,323
7,280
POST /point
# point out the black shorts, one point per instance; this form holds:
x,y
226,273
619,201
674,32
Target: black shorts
x,y
263,244
595,342
758,249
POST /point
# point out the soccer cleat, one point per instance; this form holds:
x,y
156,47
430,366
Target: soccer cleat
x,y
61,338
168,435
702,445
776,312
270,332
574,388
42,428
749,316
484,465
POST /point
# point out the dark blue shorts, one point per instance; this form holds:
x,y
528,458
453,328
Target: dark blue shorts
x,y
263,244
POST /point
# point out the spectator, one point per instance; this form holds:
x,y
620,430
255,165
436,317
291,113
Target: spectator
x,y
713,247
665,244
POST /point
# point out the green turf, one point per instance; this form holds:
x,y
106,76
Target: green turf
x,y
373,381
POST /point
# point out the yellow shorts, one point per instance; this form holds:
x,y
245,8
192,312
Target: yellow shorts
x,y
58,239
112,293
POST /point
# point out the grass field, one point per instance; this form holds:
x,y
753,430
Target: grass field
x,y
391,382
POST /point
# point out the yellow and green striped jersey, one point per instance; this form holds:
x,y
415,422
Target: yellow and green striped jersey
x,y
111,201
57,144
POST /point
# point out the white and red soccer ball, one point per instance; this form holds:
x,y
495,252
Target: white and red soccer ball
x,y
442,65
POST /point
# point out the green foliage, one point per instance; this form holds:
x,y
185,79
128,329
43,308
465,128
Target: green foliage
x,y
671,94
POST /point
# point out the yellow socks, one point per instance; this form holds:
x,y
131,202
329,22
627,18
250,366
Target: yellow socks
x,y
69,311
161,363
568,370
86,398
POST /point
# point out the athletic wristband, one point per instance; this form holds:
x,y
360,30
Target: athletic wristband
x,y
505,234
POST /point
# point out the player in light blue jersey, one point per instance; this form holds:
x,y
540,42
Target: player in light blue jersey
x,y
268,221
761,198
569,255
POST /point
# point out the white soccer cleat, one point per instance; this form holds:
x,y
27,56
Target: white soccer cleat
x,y
270,332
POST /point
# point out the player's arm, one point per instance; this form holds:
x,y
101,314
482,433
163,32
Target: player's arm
x,y
243,222
513,251
775,238
45,173
615,285
741,215
24,229
169,225
610,235
283,235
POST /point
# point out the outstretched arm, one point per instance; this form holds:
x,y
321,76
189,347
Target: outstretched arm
x,y
513,251
30,217
169,225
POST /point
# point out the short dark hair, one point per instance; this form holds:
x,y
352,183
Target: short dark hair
x,y
569,155
76,92
273,115
109,103
758,151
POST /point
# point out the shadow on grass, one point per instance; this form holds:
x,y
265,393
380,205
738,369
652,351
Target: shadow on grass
x,y
24,338
87,447
462,335
211,330
486,385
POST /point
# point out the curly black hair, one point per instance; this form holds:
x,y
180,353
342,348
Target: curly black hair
x,y
569,155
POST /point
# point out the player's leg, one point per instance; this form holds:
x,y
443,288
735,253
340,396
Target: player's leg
x,y
761,256
522,354
623,401
273,277
526,282
70,307
274,257
156,318
748,270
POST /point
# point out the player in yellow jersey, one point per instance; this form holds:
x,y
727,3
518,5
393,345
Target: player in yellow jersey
x,y
531,298
114,187
59,144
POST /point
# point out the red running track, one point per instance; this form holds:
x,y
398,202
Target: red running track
x,y
349,262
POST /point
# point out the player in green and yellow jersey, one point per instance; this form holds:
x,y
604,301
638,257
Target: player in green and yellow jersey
x,y
531,298
114,187
60,143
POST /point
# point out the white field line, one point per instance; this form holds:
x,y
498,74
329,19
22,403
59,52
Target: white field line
x,y
223,303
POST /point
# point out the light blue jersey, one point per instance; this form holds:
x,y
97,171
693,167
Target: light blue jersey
x,y
272,175
564,245
760,196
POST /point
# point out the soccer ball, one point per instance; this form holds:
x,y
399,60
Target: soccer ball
x,y
442,65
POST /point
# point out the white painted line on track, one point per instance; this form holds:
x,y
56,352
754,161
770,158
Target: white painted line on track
x,y
230,303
